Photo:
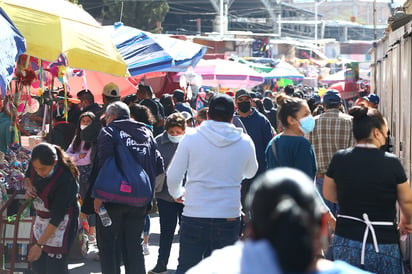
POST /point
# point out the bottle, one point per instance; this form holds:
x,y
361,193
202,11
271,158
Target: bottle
x,y
104,217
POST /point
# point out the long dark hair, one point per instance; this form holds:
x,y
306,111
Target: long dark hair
x,y
77,141
286,211
167,101
47,154
142,114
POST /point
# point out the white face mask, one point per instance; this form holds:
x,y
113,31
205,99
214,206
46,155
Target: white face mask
x,y
174,139
83,127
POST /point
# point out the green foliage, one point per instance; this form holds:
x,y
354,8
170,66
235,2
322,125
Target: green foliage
x,y
139,14
94,7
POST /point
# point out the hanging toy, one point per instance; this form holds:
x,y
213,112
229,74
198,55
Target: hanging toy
x,y
26,77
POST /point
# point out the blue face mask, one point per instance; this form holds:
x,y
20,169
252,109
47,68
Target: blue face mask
x,y
307,124
50,174
174,139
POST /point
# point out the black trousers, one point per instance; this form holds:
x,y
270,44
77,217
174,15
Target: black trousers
x,y
122,240
49,265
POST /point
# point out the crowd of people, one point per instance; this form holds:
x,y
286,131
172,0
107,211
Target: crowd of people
x,y
271,182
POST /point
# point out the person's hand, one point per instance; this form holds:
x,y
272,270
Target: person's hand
x,y
331,221
405,228
30,193
97,205
180,200
34,253
82,155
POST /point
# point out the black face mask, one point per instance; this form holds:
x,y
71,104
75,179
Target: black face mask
x,y
244,106
387,146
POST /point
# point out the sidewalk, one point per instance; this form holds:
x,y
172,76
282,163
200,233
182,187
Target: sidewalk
x,y
90,265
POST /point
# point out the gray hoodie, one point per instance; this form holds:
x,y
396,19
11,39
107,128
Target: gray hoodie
x,y
217,156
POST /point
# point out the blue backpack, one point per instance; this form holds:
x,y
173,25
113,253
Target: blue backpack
x,y
122,179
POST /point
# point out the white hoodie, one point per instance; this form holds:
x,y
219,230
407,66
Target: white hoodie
x,y
217,157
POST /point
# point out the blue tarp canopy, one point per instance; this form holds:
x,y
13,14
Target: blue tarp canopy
x,y
12,44
146,52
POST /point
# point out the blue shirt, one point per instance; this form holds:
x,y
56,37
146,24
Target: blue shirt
x,y
182,107
292,151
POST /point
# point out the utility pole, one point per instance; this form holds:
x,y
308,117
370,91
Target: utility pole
x,y
221,17
317,4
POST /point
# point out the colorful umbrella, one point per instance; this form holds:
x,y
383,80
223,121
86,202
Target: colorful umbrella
x,y
226,74
340,86
340,76
256,66
96,81
12,44
283,70
147,52
54,27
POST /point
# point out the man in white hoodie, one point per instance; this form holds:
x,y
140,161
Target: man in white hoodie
x,y
217,156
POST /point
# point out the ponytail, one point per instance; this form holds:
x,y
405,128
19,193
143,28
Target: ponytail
x,y
286,212
292,233
66,161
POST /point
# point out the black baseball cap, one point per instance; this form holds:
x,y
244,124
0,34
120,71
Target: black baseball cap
x,y
241,93
223,104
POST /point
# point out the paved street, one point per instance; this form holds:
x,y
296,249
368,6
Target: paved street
x,y
91,265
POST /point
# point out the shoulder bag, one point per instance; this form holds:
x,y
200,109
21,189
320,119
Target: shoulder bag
x,y
122,179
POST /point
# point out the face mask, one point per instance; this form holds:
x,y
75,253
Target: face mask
x,y
244,106
50,174
83,127
175,139
307,124
385,146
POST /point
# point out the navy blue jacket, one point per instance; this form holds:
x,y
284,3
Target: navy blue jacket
x,y
182,107
259,129
140,142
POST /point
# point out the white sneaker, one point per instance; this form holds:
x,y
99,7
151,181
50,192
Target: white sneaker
x,y
146,250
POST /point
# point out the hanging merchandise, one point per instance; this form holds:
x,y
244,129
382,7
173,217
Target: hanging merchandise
x,y
12,168
190,81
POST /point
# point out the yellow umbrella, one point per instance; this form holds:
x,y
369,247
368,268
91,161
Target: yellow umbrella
x,y
52,27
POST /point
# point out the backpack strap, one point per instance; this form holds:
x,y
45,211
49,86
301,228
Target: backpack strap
x,y
275,152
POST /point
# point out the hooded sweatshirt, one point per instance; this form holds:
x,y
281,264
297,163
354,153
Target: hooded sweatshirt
x,y
217,156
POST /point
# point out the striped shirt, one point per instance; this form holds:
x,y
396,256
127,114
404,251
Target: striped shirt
x,y
332,132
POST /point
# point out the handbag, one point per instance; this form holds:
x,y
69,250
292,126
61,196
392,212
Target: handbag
x,y
122,179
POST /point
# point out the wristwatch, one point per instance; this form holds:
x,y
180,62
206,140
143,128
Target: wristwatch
x,y
39,245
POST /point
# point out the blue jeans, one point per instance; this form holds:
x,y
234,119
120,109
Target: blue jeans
x,y
200,236
169,214
334,208
388,260
146,229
